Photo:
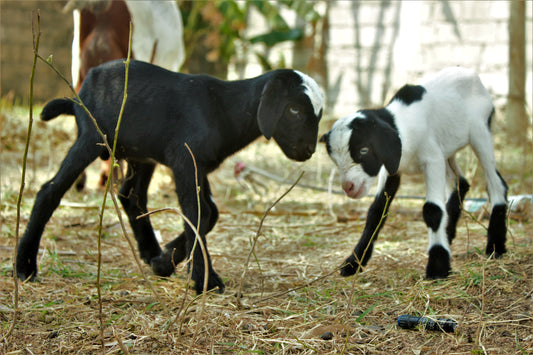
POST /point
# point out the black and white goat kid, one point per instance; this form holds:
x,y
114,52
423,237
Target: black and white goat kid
x,y
164,111
420,131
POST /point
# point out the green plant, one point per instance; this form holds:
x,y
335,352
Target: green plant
x,y
215,31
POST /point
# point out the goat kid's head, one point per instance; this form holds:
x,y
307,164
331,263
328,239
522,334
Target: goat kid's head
x,y
289,111
360,144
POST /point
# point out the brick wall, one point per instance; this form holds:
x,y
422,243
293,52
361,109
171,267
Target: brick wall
x,y
17,52
424,41
399,41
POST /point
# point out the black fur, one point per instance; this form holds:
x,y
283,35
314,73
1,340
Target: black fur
x,y
432,215
57,107
409,94
378,133
438,266
164,111
374,223
454,207
497,230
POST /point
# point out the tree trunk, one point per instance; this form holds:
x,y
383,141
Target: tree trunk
x,y
517,123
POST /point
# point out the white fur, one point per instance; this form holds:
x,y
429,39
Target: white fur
x,y
349,171
313,91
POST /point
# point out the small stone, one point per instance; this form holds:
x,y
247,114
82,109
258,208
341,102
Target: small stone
x,y
326,336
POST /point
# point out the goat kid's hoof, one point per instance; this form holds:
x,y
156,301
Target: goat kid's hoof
x,y
214,282
348,268
162,265
495,253
438,266
26,271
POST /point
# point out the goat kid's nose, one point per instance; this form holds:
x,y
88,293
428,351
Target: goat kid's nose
x,y
347,186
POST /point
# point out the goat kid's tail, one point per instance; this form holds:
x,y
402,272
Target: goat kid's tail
x,y
57,107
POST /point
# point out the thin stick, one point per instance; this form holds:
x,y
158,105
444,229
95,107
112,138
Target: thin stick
x,y
191,225
202,249
23,176
257,234
384,214
108,183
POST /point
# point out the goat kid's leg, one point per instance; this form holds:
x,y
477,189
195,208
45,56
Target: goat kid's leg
x,y
435,217
134,197
455,202
174,251
48,198
376,217
496,234
497,190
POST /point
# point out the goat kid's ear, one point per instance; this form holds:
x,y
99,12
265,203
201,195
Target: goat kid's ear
x,y
324,138
388,148
271,107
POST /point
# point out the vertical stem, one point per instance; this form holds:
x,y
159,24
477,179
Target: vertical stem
x,y
36,38
107,187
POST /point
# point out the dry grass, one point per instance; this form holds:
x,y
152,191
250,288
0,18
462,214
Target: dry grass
x,y
293,301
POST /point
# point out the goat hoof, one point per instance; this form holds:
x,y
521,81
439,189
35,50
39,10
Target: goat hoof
x,y
213,282
348,267
26,273
26,267
438,266
495,253
162,265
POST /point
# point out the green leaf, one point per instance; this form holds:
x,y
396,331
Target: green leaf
x,y
274,37
271,14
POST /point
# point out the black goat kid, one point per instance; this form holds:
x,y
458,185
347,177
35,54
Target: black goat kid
x,y
164,111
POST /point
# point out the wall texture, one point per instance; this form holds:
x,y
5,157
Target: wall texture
x,y
374,47
16,48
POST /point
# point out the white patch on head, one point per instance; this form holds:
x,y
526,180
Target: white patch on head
x,y
350,172
313,91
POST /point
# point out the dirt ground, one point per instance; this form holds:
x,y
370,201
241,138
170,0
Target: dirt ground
x,y
293,299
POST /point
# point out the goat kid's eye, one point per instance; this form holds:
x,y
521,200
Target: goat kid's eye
x,y
294,110
364,151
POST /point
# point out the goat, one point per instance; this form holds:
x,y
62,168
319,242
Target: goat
x,y
101,34
419,131
164,111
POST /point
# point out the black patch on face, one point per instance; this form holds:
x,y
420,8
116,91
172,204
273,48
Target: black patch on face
x,y
297,134
409,94
374,141
286,114
361,138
